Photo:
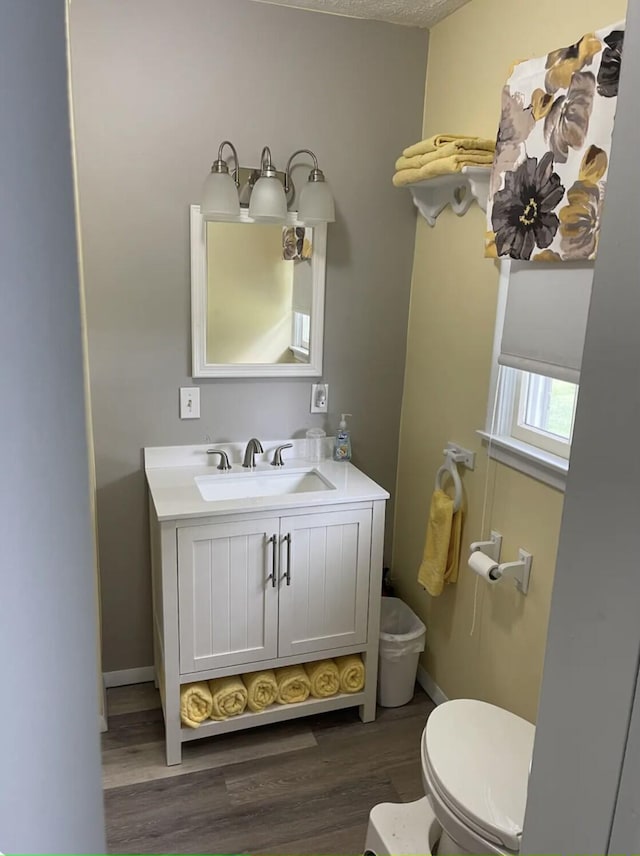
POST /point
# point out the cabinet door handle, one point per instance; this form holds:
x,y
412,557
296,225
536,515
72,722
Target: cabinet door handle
x,y
287,576
273,576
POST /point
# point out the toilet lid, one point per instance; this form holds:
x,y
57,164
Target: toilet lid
x,y
478,756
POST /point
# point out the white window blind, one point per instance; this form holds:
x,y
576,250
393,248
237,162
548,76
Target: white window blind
x,y
546,318
302,288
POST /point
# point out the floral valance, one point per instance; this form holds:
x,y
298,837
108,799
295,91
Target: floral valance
x,y
297,243
552,153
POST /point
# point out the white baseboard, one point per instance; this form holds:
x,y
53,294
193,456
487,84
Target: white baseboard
x,y
129,676
430,686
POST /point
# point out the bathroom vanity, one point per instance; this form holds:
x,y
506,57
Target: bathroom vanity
x,y
259,568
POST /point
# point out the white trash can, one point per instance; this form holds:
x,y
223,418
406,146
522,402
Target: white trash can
x,y
402,638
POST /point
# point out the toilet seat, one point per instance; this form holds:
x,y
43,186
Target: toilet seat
x,y
476,760
457,816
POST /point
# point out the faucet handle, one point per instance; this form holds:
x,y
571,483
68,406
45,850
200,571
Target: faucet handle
x,y
277,455
224,458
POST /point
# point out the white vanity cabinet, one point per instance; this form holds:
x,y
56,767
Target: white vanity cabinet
x,y
227,594
324,594
272,587
241,586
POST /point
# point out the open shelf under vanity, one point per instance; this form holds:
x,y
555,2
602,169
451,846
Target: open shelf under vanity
x,y
274,713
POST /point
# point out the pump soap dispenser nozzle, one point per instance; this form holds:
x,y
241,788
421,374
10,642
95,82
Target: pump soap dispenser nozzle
x,y
342,449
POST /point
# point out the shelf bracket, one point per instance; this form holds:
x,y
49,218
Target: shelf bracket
x,y
459,190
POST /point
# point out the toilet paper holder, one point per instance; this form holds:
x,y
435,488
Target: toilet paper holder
x,y
520,570
491,548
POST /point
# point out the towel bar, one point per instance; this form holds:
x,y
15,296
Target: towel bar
x,y
452,457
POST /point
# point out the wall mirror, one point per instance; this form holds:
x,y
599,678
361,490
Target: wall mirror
x,y
257,297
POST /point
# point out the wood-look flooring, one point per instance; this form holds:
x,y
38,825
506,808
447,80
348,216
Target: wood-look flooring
x,y
300,787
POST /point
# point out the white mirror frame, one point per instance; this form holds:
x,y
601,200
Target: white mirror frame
x,y
200,366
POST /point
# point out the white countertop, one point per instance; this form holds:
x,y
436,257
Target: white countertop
x,y
171,472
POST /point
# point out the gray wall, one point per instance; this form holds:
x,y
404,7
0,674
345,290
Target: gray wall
x,y
593,644
50,784
625,832
157,85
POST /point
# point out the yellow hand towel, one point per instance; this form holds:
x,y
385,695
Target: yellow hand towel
x,y
229,697
293,685
351,671
442,166
416,161
442,546
262,689
432,144
195,703
324,678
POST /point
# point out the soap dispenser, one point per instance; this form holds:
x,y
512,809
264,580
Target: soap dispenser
x,y
342,449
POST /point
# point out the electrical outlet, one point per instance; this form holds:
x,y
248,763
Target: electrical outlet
x,y
319,397
189,402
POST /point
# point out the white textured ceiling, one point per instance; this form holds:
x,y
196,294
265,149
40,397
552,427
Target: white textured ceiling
x,y
413,13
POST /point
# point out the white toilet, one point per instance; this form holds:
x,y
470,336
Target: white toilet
x,y
475,768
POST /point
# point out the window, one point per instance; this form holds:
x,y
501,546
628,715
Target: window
x,y
301,330
539,336
543,412
530,423
301,336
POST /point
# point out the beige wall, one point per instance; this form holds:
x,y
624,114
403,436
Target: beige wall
x,y
452,313
157,84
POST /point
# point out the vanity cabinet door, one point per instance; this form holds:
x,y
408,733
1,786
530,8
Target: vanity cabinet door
x,y
324,581
228,604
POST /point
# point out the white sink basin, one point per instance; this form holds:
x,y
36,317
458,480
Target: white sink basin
x,y
251,484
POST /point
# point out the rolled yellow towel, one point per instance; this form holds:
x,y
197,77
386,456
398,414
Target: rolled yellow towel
x,y
262,689
324,678
293,684
351,671
442,166
229,697
432,144
195,703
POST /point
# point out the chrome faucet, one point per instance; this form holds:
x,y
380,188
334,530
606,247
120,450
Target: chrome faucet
x,y
224,458
253,446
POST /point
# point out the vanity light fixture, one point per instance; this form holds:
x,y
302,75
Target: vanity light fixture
x,y
265,190
268,203
220,199
316,200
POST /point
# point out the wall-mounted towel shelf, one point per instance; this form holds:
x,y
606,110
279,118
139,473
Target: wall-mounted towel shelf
x,y
459,190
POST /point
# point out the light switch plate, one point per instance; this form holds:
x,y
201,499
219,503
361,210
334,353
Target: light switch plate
x,y
189,402
319,397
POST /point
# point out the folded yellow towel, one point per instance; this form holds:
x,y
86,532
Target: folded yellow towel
x,y
442,546
229,697
262,689
351,671
416,161
442,166
324,678
293,684
195,703
432,144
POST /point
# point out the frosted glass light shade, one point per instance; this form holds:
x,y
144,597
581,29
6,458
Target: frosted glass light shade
x,y
268,202
315,204
220,197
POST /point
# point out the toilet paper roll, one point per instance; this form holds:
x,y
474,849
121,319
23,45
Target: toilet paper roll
x,y
484,566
